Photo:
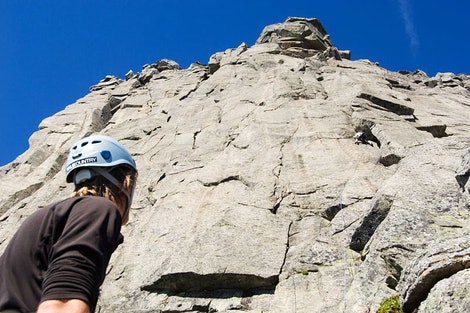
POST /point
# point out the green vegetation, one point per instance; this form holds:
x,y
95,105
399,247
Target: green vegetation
x,y
391,305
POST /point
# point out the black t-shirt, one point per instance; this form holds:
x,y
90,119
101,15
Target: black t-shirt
x,y
60,252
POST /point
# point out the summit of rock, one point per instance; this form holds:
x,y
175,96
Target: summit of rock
x,y
281,177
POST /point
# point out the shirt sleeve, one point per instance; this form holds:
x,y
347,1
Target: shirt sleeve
x,y
79,257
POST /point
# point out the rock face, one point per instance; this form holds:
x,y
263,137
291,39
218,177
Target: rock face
x,y
253,195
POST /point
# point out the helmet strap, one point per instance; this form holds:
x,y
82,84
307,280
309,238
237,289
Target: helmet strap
x,y
116,183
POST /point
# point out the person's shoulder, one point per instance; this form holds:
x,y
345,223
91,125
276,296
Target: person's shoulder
x,y
86,209
84,201
92,205
97,200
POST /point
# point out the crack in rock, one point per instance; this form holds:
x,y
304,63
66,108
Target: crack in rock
x,y
396,108
390,159
463,172
226,179
380,208
193,282
330,212
437,131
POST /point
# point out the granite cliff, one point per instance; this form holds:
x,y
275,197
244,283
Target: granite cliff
x,y
256,192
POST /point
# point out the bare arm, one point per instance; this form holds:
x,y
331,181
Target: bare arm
x,y
62,306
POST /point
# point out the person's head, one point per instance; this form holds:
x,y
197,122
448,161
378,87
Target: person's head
x,y
98,165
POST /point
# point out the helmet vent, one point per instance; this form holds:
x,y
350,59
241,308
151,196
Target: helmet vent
x,y
106,154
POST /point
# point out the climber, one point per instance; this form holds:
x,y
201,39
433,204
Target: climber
x,y
361,137
56,261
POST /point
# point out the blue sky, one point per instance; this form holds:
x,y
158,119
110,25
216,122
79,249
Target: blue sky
x,y
52,51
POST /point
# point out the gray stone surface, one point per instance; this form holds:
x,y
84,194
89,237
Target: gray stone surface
x,y
254,197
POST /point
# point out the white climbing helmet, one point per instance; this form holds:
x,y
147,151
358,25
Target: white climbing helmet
x,y
97,155
96,151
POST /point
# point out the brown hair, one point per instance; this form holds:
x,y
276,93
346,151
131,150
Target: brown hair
x,y
101,187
